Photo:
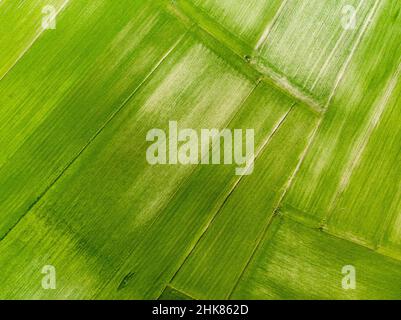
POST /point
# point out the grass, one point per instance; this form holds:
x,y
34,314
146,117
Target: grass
x,y
77,193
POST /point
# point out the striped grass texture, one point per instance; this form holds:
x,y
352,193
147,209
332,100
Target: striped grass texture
x,y
76,190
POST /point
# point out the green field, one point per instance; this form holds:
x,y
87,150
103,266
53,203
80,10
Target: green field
x,y
320,88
